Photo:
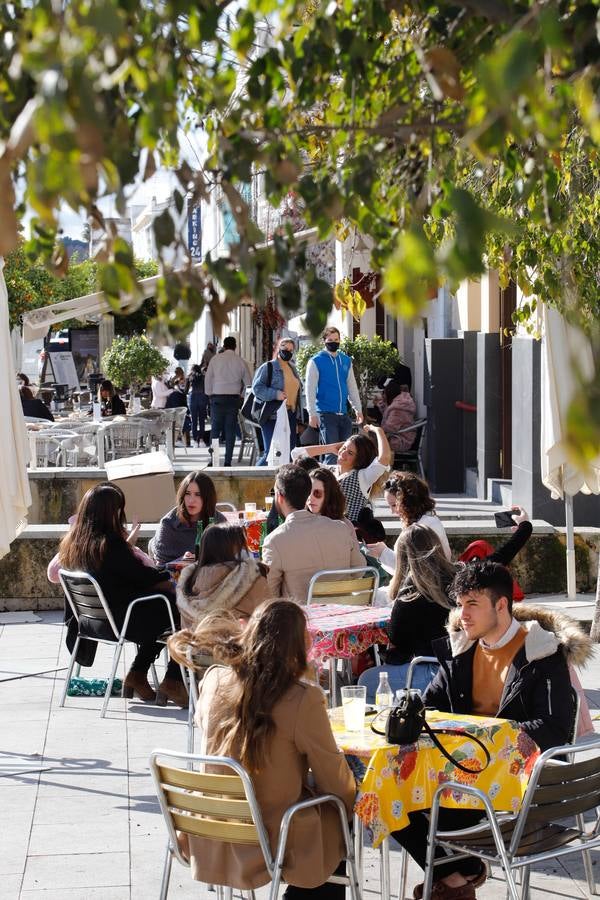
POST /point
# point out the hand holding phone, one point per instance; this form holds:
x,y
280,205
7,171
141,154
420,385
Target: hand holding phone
x,y
504,519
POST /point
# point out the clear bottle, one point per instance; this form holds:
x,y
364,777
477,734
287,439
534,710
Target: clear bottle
x,y
384,697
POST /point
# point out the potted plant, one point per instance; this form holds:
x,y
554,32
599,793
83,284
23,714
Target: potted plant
x,y
371,359
133,361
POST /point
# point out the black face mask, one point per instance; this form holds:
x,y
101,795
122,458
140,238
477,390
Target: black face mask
x,y
286,355
332,346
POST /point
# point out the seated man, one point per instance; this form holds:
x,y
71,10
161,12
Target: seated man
x,y
303,544
493,664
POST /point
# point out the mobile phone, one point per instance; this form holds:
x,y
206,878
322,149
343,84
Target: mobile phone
x,y
504,519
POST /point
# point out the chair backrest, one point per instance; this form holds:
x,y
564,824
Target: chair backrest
x,y
348,587
123,438
419,661
558,790
85,598
217,806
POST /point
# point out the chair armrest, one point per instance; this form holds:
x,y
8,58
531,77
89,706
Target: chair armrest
x,y
143,600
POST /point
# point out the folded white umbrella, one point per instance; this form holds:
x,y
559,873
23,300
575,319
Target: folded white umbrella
x,y
566,355
15,495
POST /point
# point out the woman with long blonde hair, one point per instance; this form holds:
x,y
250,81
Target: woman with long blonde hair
x,y
257,706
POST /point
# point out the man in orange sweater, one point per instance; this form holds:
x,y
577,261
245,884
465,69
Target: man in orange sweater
x,y
493,664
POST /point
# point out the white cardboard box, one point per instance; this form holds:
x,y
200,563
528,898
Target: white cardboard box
x,y
147,482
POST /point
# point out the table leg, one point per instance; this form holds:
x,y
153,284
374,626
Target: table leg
x,y
358,849
384,851
332,682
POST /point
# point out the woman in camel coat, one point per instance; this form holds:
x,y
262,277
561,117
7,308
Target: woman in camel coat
x,y
259,709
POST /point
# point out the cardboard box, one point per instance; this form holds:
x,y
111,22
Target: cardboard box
x,y
148,484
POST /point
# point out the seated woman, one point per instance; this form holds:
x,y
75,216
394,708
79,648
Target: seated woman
x,y
326,497
360,464
398,412
225,578
259,708
33,406
408,497
110,402
177,531
97,544
419,592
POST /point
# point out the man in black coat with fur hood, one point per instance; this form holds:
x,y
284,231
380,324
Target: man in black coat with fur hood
x,y
496,662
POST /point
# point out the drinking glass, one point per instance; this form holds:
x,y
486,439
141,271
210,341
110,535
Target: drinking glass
x,y
268,503
250,510
354,703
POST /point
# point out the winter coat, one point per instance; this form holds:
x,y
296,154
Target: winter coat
x,y
399,414
235,587
537,692
175,537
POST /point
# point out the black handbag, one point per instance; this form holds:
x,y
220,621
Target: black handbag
x,y
260,411
406,721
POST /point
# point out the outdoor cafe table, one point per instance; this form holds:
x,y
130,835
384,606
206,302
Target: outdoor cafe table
x,y
340,632
396,780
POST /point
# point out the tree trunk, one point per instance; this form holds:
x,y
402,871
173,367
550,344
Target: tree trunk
x,y
595,631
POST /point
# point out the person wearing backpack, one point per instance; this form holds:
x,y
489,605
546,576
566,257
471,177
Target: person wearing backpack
x,y
278,380
197,402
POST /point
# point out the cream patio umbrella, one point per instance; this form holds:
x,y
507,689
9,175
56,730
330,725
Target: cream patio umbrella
x,y
565,352
15,495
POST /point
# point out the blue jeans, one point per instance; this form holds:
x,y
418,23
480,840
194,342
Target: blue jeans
x,y
333,429
198,403
422,675
267,433
223,412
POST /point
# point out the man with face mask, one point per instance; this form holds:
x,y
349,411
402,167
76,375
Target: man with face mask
x,y
278,380
330,383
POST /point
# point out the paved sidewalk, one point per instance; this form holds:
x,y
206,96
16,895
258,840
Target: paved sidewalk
x,y
79,816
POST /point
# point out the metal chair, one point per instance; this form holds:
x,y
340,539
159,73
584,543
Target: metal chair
x,y
411,458
344,587
87,601
124,439
223,808
556,790
251,438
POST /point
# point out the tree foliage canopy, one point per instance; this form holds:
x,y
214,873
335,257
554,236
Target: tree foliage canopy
x,y
444,131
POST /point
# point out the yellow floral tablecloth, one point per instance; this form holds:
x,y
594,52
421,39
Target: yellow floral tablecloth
x,y
395,780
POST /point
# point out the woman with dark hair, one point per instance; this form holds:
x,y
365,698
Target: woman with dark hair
x,y
176,534
419,593
326,497
33,406
258,707
225,578
111,403
360,464
408,497
97,544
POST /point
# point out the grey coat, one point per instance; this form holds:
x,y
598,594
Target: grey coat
x,y
174,538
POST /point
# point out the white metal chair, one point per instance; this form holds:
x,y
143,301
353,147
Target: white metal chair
x,y
124,439
556,791
223,808
88,603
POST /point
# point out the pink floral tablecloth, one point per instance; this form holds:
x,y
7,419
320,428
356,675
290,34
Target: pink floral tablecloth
x,y
344,631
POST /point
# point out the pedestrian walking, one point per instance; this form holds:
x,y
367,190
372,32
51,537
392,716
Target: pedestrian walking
x,y
330,383
226,378
278,380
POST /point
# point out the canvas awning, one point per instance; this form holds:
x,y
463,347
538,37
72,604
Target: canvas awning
x,y
37,322
15,495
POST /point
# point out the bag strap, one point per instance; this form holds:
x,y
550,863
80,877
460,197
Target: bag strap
x,y
432,732
376,730
269,373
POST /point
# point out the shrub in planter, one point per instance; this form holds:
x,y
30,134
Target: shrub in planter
x,y
133,361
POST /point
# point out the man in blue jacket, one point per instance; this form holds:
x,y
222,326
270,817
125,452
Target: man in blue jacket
x,y
330,383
